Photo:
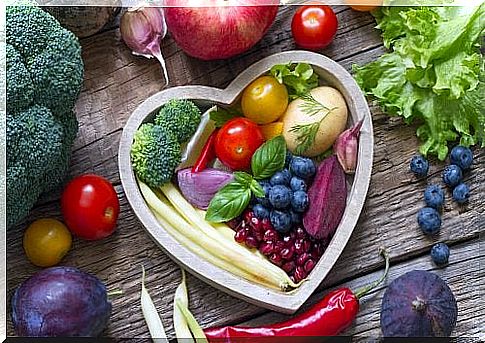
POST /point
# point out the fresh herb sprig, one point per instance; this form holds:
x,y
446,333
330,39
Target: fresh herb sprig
x,y
307,133
231,200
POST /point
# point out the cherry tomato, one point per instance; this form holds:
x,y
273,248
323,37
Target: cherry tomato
x,y
264,100
46,242
363,5
236,142
314,26
90,207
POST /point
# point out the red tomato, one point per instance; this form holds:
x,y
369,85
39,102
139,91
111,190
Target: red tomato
x,y
90,207
237,141
314,26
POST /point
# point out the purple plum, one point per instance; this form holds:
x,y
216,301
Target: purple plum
x,y
61,301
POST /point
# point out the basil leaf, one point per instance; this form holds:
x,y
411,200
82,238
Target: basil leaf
x,y
269,158
229,202
243,178
258,191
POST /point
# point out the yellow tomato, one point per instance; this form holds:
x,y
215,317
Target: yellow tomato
x,y
264,100
46,242
363,5
271,130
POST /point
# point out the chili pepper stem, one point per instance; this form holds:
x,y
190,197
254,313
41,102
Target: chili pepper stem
x,y
366,289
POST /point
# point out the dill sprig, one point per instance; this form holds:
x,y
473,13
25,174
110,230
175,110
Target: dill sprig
x,y
312,106
307,133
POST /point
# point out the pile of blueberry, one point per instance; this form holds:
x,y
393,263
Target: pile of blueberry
x,y
286,197
429,218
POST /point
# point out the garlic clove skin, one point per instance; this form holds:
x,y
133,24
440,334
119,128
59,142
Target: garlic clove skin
x,y
142,29
346,147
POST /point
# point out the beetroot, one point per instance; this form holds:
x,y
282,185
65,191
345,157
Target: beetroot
x,y
418,304
327,196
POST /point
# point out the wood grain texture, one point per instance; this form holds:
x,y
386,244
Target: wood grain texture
x,y
117,82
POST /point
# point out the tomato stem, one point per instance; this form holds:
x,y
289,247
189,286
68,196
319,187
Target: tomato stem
x,y
366,289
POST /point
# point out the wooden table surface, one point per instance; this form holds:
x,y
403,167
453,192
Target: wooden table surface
x,y
116,82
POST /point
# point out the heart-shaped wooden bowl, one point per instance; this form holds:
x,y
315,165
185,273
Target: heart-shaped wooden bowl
x,y
332,74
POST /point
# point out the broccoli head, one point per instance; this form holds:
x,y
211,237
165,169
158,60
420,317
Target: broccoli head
x,y
44,74
182,117
155,154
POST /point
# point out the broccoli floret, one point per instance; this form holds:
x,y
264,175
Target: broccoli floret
x,y
155,154
182,117
44,76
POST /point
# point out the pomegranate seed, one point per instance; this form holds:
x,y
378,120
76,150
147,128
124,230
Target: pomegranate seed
x,y
256,224
309,265
266,248
266,223
299,274
276,259
300,233
288,266
314,254
300,261
270,235
287,253
248,215
252,242
258,235
279,245
299,246
243,225
306,245
233,224
240,235
288,240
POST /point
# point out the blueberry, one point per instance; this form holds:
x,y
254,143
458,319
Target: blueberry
x,y
266,188
434,196
298,184
461,193
440,254
452,175
429,220
461,156
299,201
288,158
281,221
280,197
260,211
302,167
282,177
295,217
419,165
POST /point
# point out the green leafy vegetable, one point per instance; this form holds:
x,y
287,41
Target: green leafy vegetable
x,y
231,200
269,158
433,75
299,78
221,115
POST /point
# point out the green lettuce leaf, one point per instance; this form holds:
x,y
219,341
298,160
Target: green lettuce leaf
x,y
433,74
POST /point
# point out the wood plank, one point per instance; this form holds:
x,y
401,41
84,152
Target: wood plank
x,y
464,275
116,82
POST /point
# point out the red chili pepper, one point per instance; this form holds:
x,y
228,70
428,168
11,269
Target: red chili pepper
x,y
207,154
329,317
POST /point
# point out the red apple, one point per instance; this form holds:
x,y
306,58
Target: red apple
x,y
217,29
